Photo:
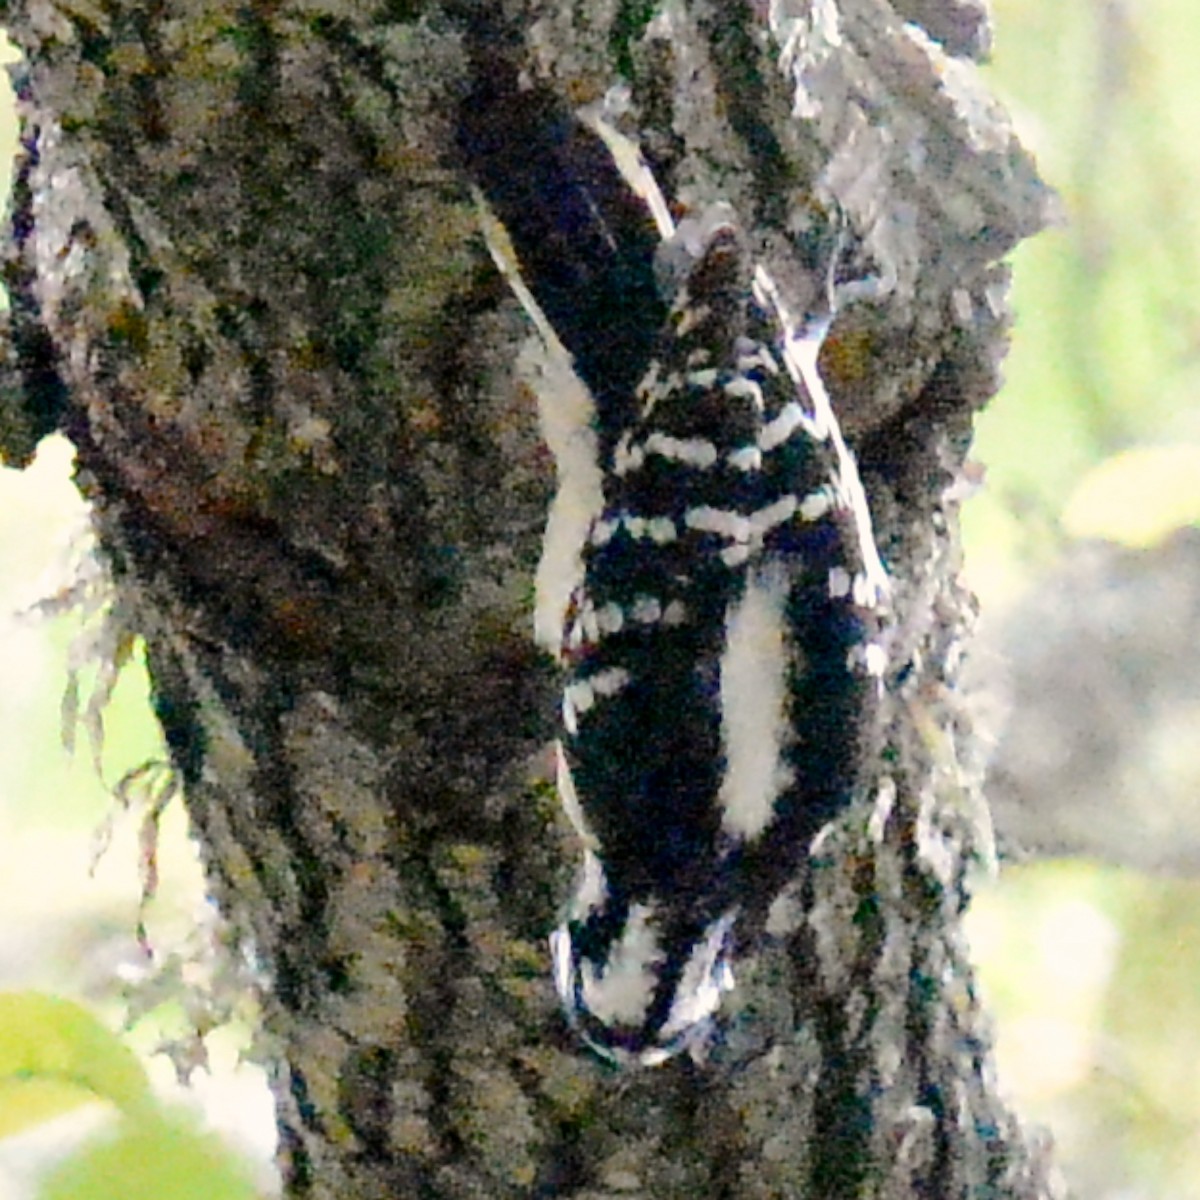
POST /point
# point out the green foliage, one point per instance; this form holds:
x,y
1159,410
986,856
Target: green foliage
x,y
1104,350
55,1056
1137,497
1092,971
159,1159
48,1041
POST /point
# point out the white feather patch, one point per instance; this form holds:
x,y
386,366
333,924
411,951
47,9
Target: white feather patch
x,y
565,409
705,977
695,452
754,705
622,992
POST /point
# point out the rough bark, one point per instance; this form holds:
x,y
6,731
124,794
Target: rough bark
x,y
248,284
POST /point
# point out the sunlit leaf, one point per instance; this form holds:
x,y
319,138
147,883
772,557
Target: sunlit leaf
x,y
154,1159
51,1039
1137,497
27,1102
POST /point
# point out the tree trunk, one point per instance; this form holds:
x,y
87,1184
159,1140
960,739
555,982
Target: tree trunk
x,y
247,282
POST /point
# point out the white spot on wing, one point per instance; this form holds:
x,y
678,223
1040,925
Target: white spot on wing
x,y
674,613
609,682
741,386
602,532
816,504
610,618
801,348
752,355
722,521
588,623
745,458
580,696
765,519
646,610
627,456
661,530
695,452
777,431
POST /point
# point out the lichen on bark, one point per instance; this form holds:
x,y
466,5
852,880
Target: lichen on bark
x,y
245,266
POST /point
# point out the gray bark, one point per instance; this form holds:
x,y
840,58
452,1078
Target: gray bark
x,y
247,283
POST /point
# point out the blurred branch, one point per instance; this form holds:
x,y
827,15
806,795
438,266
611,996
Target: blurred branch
x,y
1099,756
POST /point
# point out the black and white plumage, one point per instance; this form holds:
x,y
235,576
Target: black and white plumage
x,y
584,240
722,652
722,657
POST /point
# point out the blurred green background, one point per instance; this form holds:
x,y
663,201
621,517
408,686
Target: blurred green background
x,y
1093,972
